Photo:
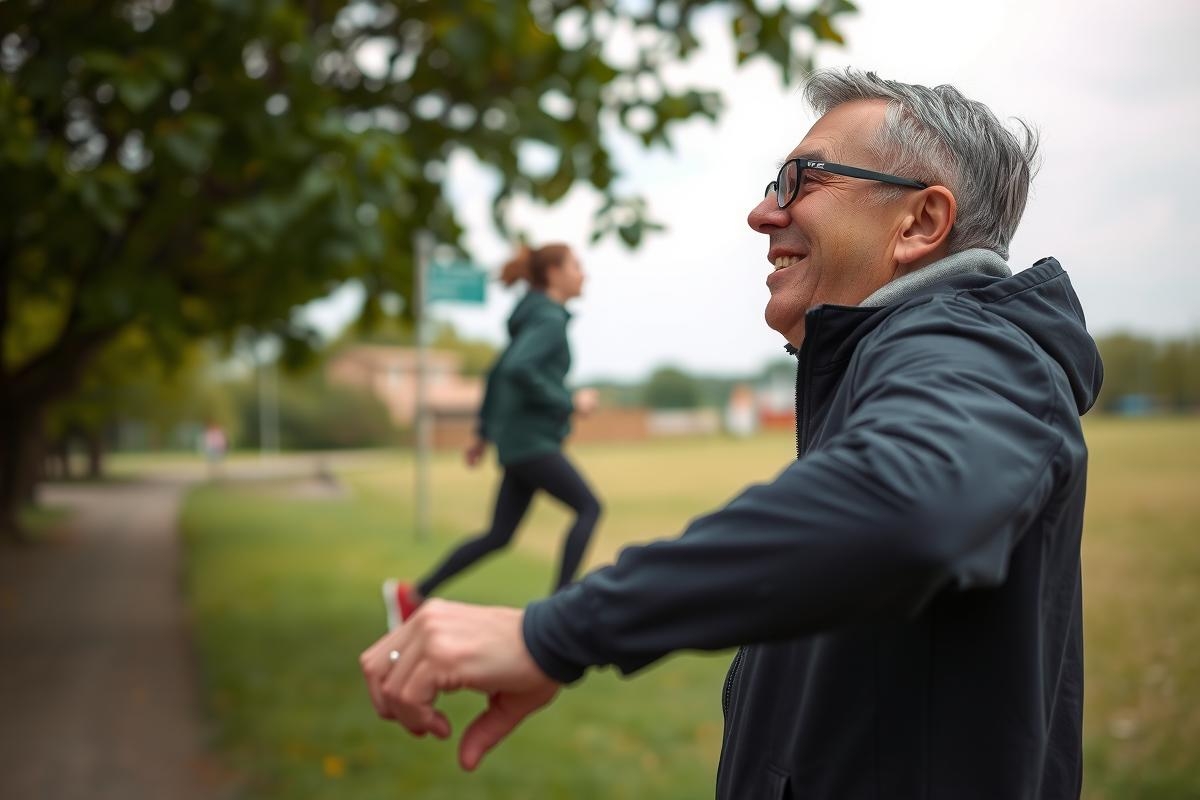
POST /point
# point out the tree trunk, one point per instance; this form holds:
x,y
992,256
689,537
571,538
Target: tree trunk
x,y
62,458
10,456
95,452
35,460
25,394
20,433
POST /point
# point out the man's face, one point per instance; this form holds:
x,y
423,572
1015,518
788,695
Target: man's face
x,y
834,243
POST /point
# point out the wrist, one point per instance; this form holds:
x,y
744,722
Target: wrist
x,y
538,641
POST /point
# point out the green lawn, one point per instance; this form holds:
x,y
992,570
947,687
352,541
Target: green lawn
x,y
1141,558
285,594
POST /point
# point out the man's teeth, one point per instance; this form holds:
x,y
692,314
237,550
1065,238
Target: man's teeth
x,y
786,261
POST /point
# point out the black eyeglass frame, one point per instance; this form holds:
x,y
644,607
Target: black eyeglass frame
x,y
837,169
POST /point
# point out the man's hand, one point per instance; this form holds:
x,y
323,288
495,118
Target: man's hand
x,y
449,646
475,451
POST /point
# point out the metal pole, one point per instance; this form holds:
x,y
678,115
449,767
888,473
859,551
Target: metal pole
x,y
273,406
268,400
260,369
424,430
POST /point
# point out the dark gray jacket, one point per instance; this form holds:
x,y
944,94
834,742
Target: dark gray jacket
x,y
908,590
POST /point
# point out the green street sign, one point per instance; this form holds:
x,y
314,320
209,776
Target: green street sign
x,y
457,282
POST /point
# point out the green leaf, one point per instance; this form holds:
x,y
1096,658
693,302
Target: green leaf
x,y
137,90
105,62
192,141
822,28
166,63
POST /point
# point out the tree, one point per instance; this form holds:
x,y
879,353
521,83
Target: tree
x,y
201,167
1177,374
671,388
315,415
131,381
1128,367
1167,371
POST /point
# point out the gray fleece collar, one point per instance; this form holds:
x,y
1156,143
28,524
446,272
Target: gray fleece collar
x,y
974,261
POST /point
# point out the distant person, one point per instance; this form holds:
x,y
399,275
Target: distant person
x,y
906,594
526,414
215,444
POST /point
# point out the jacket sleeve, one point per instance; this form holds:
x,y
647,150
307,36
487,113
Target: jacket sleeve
x,y
489,397
944,459
539,340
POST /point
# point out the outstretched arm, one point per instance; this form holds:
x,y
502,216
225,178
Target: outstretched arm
x,y
951,446
449,646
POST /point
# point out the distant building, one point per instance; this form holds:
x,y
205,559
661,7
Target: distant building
x,y
741,412
390,373
683,422
777,403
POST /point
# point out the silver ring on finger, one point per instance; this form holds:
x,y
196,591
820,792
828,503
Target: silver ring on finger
x,y
393,656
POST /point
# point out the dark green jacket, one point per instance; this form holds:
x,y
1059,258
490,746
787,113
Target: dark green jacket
x,y
526,409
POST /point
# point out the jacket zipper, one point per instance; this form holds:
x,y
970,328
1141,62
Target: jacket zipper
x,y
729,679
799,412
802,378
801,435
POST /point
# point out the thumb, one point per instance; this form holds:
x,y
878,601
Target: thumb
x,y
504,712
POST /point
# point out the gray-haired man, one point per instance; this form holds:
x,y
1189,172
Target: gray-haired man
x,y
906,594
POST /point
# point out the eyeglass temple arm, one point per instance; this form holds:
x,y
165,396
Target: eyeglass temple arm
x,y
871,175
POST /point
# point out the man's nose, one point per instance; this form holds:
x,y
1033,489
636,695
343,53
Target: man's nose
x,y
767,215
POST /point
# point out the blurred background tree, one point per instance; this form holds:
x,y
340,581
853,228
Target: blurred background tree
x,y
1143,374
671,388
201,168
316,415
133,394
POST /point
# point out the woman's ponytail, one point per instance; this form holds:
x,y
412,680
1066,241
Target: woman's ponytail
x,y
532,266
518,267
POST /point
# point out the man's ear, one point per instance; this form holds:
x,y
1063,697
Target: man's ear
x,y
925,232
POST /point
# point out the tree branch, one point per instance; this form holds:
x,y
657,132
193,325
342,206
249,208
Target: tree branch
x,y
56,368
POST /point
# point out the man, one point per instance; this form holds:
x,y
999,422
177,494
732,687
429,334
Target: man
x,y
906,594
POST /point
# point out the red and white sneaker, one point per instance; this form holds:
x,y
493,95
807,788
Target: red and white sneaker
x,y
400,601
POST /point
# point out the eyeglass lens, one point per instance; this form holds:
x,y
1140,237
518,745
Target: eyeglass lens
x,y
789,182
786,184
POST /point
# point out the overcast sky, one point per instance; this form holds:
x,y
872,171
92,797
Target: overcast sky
x,y
1113,88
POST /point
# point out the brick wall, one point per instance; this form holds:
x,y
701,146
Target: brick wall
x,y
606,425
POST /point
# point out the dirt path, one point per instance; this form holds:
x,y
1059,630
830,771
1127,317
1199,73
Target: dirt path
x,y
97,676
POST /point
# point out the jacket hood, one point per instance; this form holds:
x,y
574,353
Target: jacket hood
x,y
533,304
1042,302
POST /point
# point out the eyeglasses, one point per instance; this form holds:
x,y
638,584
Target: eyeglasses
x,y
791,177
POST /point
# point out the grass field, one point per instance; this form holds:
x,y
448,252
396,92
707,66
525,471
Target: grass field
x,y
284,587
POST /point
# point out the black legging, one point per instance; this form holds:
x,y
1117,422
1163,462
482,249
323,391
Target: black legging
x,y
551,473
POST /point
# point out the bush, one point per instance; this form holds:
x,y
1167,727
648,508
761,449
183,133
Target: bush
x,y
671,388
316,416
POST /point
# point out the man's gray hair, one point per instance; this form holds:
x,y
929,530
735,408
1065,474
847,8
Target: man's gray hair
x,y
938,136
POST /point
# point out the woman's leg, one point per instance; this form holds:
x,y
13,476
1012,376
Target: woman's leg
x,y
554,474
512,501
